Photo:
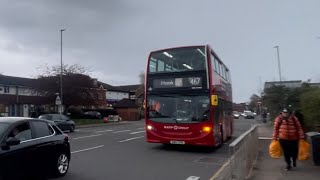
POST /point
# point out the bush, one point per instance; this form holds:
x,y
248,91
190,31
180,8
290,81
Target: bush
x,y
310,105
75,112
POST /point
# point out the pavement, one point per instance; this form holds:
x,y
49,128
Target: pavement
x,y
267,168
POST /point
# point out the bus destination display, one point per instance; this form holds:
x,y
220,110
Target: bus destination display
x,y
192,82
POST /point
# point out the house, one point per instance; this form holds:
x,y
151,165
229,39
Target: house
x,y
18,98
132,89
287,84
136,92
239,107
127,109
314,85
113,94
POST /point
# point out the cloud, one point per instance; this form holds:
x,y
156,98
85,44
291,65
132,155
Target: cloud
x,y
113,38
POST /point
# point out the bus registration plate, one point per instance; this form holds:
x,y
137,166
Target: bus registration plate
x,y
177,142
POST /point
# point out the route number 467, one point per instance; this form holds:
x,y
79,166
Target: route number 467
x,y
194,81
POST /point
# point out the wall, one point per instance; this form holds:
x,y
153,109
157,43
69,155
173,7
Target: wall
x,y
12,90
128,114
26,91
113,95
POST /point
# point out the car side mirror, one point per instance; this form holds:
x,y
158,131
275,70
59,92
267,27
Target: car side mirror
x,y
12,141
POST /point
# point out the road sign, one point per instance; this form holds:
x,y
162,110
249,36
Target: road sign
x,y
58,101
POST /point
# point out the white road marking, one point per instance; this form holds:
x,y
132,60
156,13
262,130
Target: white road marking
x,y
138,132
193,178
87,136
131,139
220,170
142,128
121,131
96,147
109,130
265,138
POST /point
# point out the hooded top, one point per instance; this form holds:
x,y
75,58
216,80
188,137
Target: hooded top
x,y
287,128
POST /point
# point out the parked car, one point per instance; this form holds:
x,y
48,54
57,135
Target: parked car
x,y
248,115
92,114
32,148
236,114
113,118
62,121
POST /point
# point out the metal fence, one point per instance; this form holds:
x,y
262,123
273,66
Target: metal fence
x,y
244,152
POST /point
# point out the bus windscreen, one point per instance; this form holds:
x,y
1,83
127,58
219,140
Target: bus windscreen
x,y
178,108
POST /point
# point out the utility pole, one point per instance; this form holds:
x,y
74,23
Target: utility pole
x,y
61,67
279,65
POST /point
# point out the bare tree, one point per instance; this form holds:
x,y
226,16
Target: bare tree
x,y
78,87
66,69
254,101
142,76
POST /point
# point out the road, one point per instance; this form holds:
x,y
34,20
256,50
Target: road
x,y
120,152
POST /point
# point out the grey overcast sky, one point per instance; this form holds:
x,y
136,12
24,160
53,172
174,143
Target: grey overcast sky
x,y
113,38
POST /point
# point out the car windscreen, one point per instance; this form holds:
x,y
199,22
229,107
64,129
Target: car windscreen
x,y
178,108
3,127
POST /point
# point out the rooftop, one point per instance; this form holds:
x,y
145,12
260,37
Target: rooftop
x,y
125,103
16,81
129,88
109,87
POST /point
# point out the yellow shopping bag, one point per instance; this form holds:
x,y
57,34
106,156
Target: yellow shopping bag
x,y
275,149
304,150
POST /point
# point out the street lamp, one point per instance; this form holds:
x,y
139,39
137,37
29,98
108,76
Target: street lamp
x,y
61,91
58,102
279,66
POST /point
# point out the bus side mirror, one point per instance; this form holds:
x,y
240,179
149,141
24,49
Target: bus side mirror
x,y
214,100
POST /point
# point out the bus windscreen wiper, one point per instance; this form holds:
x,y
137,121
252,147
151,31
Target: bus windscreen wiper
x,y
175,120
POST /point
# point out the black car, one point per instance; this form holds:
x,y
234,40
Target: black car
x,y
92,114
62,121
32,148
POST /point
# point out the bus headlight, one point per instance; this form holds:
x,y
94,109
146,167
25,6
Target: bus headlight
x,y
149,127
206,129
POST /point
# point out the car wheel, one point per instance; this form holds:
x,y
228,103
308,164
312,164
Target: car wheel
x,y
61,165
72,128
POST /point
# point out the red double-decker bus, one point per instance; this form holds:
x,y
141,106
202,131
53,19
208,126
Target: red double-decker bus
x,y
188,97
